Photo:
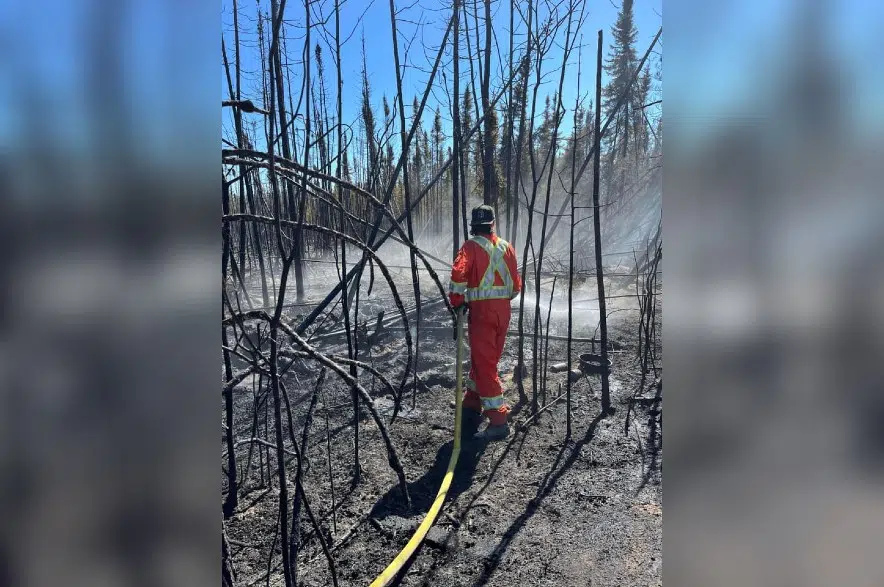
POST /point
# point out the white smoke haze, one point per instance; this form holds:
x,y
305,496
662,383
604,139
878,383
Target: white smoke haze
x,y
629,239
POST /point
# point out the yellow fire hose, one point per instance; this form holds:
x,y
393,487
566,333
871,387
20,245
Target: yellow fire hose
x,y
394,567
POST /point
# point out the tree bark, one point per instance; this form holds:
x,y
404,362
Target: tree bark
x,y
489,195
415,276
600,274
456,149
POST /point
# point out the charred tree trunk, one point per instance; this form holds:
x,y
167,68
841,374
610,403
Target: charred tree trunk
x,y
456,150
571,257
510,144
597,227
407,189
489,194
275,86
354,398
552,167
276,63
231,501
528,237
228,572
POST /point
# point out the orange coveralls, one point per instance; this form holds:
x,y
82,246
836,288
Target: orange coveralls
x,y
485,274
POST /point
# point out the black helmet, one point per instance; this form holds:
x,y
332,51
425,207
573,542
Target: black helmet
x,y
482,215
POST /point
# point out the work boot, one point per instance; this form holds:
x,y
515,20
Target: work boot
x,y
492,433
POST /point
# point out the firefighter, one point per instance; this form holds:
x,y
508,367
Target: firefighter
x,y
485,277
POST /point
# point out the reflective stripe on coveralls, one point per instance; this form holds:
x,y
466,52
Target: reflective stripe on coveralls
x,y
488,403
492,403
486,289
457,288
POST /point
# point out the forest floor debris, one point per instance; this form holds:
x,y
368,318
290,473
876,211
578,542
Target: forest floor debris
x,y
531,510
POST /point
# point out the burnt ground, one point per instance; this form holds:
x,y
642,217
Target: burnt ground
x,y
530,510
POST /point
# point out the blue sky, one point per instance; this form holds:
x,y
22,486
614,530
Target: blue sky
x,y
721,57
424,23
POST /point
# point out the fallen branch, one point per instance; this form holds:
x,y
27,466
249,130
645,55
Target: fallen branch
x,y
264,442
527,421
237,378
386,273
344,361
403,237
392,457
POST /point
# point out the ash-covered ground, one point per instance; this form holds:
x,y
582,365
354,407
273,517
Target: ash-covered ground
x,y
535,509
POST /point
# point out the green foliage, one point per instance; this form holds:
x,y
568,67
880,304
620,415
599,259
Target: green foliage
x,y
620,65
